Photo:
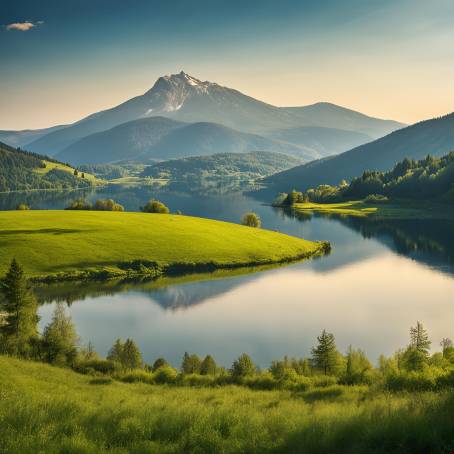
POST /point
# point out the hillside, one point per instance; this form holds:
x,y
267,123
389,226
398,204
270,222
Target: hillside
x,y
24,137
251,165
95,243
20,170
162,138
434,137
185,98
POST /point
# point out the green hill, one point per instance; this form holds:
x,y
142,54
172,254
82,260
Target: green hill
x,y
434,137
71,244
22,170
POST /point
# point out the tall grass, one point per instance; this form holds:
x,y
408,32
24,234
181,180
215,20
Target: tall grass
x,y
47,409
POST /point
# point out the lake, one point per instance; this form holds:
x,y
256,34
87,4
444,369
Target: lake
x,y
380,278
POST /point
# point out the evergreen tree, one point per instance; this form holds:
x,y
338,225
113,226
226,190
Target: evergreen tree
x,y
190,364
19,324
324,356
160,362
60,338
243,366
208,366
419,339
131,357
116,352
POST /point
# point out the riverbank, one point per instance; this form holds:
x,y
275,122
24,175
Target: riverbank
x,y
397,210
52,409
79,245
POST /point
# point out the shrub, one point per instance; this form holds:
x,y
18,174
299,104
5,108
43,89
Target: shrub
x,y
22,207
103,366
251,220
166,374
155,206
243,366
107,205
101,381
197,380
137,375
79,204
376,198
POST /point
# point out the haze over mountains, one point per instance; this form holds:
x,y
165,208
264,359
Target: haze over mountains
x,y
434,137
181,97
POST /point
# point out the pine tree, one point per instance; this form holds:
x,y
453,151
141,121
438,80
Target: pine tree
x,y
131,357
60,338
208,366
419,339
324,356
116,352
19,324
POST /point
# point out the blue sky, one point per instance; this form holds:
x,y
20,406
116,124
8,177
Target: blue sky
x,y
392,59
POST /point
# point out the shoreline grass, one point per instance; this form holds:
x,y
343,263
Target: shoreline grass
x,y
397,210
78,245
54,410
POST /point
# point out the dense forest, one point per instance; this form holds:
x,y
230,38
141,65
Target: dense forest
x,y
427,179
23,170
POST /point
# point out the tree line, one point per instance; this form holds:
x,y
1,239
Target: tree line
x,y
428,178
413,367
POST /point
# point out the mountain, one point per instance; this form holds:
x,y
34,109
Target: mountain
x,y
320,141
434,137
161,138
24,137
185,98
21,170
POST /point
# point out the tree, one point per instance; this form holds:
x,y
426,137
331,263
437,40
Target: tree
x,y
19,323
116,352
155,206
76,173
190,364
357,366
131,357
60,338
160,362
324,356
208,366
83,175
419,339
251,220
447,347
107,205
243,366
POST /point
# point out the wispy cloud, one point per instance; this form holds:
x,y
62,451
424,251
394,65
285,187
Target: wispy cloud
x,y
24,26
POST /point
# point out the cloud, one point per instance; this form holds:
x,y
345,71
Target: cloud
x,y
24,26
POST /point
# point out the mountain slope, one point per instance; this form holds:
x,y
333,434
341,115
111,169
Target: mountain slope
x,y
24,137
322,141
20,170
182,97
163,138
434,137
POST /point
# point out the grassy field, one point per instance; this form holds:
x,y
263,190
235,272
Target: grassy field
x,y
45,409
65,244
359,208
56,165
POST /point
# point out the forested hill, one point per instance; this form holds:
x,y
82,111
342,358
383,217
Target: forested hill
x,y
434,137
22,170
255,164
427,179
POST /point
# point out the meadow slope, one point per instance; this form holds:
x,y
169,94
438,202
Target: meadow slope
x,y
70,244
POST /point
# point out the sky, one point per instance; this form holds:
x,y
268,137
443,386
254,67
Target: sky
x,y
63,60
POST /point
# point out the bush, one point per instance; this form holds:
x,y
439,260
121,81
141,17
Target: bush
x,y
22,207
376,198
137,376
79,204
197,380
155,206
166,374
103,366
107,205
251,220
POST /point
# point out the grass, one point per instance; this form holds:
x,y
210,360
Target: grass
x,y
56,165
44,409
359,208
71,244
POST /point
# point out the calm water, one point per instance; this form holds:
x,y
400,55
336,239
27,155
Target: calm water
x,y
379,279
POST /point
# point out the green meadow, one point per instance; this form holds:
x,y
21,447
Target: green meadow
x,y
45,409
71,244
